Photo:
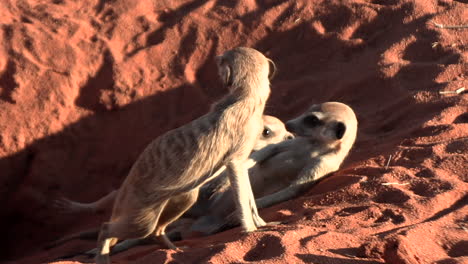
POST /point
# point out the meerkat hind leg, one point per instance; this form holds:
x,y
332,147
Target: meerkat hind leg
x,y
169,212
105,242
174,209
138,224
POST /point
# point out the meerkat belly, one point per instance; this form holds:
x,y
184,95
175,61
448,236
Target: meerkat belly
x,y
276,173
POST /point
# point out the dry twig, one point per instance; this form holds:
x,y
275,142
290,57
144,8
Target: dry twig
x,y
449,27
457,91
388,162
395,183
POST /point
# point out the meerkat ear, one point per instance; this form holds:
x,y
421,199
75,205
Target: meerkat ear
x,y
225,70
340,130
272,72
228,78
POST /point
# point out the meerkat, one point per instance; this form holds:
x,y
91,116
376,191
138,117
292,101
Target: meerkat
x,y
274,131
163,183
325,133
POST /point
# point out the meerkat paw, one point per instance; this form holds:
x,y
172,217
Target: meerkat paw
x,y
269,226
259,222
274,223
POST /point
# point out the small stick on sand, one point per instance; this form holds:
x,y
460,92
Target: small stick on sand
x,y
457,91
388,162
449,27
395,183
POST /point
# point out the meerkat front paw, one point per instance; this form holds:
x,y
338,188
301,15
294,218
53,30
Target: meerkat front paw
x,y
259,222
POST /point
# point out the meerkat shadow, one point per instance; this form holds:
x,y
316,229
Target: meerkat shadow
x,y
93,134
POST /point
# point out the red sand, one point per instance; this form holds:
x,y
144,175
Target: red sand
x,y
84,87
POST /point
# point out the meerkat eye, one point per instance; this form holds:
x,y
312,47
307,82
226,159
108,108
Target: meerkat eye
x,y
266,132
311,121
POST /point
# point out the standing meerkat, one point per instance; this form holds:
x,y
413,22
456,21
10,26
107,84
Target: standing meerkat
x,y
163,183
324,134
274,131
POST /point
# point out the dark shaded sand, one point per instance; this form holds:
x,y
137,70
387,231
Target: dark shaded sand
x,y
84,87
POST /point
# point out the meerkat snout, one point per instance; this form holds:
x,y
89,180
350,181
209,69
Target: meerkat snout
x,y
274,131
304,125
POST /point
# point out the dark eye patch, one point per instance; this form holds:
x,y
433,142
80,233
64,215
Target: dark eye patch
x,y
311,121
340,130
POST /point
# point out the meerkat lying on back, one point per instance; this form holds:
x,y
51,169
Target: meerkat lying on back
x,y
325,134
273,132
163,183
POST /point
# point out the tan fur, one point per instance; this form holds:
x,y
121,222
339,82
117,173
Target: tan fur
x,y
175,164
273,132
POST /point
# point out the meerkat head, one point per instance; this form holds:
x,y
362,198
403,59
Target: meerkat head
x,y
273,132
242,65
328,122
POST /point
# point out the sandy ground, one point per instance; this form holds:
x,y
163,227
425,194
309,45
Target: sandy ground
x,y
85,85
